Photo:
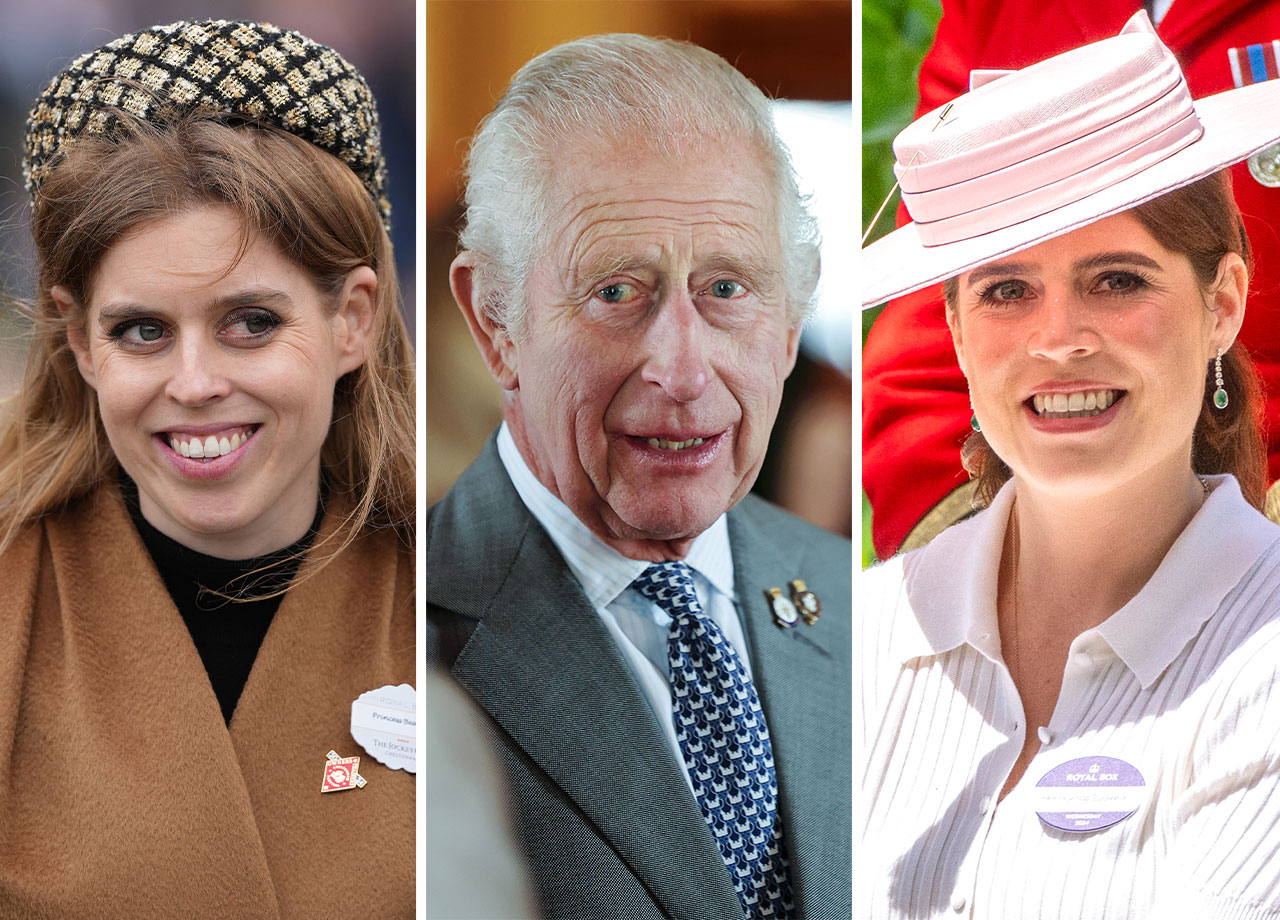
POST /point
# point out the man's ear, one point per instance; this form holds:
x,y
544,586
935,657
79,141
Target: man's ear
x,y
491,338
353,322
1226,301
793,349
76,337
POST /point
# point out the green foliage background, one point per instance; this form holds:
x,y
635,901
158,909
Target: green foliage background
x,y
895,36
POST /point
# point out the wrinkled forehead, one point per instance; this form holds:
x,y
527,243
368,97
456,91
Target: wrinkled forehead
x,y
710,199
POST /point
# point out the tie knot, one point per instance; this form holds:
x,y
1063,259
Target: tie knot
x,y
670,586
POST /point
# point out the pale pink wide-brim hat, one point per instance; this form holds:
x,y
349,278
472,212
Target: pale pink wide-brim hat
x,y
1031,154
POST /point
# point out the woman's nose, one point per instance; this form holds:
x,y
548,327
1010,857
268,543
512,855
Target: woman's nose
x,y
1063,327
197,376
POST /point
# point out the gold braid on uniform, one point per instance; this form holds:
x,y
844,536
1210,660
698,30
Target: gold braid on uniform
x,y
243,70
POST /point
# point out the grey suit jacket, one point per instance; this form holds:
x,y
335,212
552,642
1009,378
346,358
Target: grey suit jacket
x,y
607,822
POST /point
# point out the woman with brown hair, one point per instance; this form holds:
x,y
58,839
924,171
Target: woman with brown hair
x,y
1064,700
207,495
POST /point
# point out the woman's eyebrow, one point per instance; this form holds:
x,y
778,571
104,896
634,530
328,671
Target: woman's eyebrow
x,y
111,314
999,268
117,312
1097,260
1124,256
251,297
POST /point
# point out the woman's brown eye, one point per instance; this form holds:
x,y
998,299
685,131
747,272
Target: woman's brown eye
x,y
1002,291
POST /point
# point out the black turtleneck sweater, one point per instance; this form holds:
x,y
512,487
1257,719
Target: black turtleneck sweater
x,y
227,633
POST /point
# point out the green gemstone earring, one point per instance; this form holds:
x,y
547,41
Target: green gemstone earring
x,y
1220,394
973,422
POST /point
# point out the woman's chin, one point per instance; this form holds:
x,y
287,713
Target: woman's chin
x,y
225,527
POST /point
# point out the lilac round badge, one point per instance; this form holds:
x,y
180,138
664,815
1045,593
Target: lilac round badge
x,y
1089,793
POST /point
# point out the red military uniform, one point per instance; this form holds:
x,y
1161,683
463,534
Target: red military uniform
x,y
915,402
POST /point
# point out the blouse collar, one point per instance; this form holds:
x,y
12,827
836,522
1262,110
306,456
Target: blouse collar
x,y
951,583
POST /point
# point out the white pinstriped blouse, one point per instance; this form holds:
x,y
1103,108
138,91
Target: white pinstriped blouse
x,y
1182,683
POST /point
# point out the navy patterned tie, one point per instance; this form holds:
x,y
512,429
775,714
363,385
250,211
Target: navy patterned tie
x,y
725,742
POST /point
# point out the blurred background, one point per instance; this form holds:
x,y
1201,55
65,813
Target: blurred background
x,y
37,40
795,50
895,36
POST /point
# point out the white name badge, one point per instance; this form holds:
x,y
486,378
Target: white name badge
x,y
1089,794
385,722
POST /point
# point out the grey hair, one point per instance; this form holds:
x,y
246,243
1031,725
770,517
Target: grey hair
x,y
670,95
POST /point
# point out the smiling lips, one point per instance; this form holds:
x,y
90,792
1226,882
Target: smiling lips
x,y
1080,404
664,444
211,446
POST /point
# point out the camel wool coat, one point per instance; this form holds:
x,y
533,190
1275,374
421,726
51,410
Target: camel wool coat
x,y
125,794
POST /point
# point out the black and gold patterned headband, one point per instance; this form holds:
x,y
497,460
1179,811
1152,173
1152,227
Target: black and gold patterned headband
x,y
250,70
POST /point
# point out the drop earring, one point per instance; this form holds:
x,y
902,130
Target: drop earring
x,y
1220,394
973,417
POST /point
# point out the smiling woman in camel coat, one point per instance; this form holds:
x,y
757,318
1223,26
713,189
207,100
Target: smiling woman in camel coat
x,y
217,327
125,794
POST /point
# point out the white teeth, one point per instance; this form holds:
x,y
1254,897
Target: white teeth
x,y
1073,405
664,444
211,447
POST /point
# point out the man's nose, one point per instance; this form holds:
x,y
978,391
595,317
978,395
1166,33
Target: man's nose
x,y
198,375
677,339
1063,327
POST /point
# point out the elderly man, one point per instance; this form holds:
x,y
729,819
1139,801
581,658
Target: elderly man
x,y
665,658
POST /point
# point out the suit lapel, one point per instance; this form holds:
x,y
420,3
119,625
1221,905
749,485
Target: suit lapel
x,y
802,676
544,666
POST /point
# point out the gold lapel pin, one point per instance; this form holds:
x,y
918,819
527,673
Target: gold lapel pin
x,y
784,611
341,773
805,600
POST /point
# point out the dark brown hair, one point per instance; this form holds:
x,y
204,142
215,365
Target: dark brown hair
x,y
307,203
1202,222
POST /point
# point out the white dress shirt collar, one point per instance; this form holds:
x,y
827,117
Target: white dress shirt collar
x,y
951,584
604,572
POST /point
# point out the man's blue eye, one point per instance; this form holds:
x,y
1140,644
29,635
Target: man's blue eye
x,y
149,332
725,289
617,293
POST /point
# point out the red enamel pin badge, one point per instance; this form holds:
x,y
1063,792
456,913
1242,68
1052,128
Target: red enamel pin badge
x,y
341,773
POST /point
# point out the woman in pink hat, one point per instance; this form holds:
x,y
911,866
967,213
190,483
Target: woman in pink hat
x,y
1064,699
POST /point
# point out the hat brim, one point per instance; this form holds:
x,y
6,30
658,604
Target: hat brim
x,y
1237,124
